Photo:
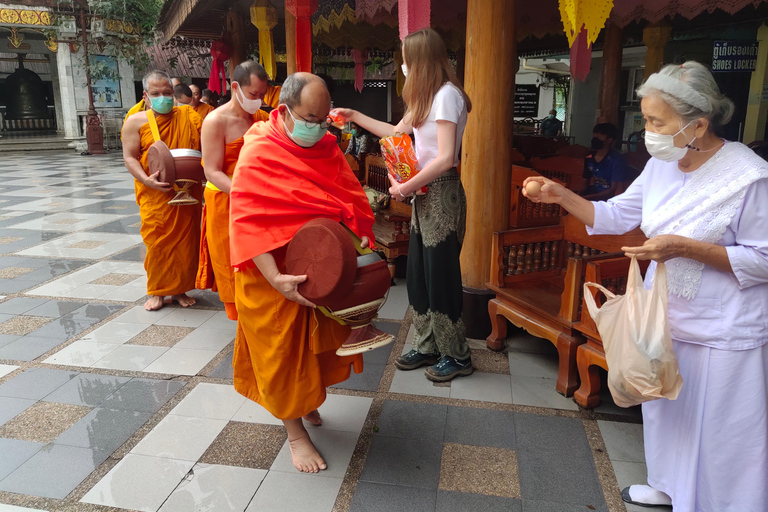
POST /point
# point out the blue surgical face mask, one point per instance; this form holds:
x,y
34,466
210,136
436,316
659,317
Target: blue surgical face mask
x,y
306,134
162,104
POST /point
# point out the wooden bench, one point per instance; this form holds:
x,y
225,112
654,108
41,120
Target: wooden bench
x,y
611,273
537,275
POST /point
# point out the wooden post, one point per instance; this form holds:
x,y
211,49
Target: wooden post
x,y
655,39
757,104
290,41
486,166
237,37
610,80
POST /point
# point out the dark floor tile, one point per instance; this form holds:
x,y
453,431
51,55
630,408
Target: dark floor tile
x,y
103,430
550,506
410,420
409,462
224,369
378,356
109,206
12,407
16,285
480,427
55,308
125,225
87,389
450,501
142,395
15,453
36,383
390,327
136,253
53,472
555,461
372,497
21,305
29,348
367,381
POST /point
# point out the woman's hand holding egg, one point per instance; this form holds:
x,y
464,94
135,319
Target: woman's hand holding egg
x,y
541,190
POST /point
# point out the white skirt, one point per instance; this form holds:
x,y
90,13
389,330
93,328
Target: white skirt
x,y
708,450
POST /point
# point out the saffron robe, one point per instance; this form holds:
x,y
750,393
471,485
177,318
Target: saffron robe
x,y
284,355
272,97
139,107
171,233
203,109
215,271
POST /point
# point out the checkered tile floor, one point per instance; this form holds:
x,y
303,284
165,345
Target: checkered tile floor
x,y
104,406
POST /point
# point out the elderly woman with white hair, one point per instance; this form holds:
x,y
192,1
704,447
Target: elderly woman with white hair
x,y
703,203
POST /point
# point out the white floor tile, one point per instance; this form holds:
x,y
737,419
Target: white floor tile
x,y
524,364
130,357
290,492
61,247
139,482
139,315
335,447
115,332
218,321
252,412
64,222
81,353
181,361
213,401
180,438
208,338
538,392
397,302
414,382
485,387
185,317
5,369
345,413
215,488
13,508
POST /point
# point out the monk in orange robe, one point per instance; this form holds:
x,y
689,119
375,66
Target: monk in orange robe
x,y
202,109
171,233
290,171
272,97
222,139
139,107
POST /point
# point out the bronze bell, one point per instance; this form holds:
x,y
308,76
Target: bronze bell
x,y
26,95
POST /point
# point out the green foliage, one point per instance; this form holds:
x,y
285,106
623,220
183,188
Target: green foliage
x,y
140,18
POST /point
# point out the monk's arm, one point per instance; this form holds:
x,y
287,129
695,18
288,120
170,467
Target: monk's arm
x,y
132,153
286,284
212,141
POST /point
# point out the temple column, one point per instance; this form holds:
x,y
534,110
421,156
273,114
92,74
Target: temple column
x,y
237,37
302,10
610,80
491,65
655,39
757,105
67,92
290,41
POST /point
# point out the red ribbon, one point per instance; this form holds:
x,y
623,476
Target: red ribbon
x,y
217,82
360,57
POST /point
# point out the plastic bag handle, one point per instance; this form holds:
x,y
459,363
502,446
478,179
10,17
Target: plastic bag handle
x,y
590,300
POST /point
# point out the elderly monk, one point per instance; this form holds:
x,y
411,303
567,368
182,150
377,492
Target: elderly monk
x,y
290,171
202,109
222,140
171,233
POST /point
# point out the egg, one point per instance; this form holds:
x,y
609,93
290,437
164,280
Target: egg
x,y
533,188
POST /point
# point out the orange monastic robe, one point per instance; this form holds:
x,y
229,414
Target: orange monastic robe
x,y
285,353
215,270
139,107
171,233
203,109
272,97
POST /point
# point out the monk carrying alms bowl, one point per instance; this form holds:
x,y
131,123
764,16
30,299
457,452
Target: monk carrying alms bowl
x,y
182,167
348,283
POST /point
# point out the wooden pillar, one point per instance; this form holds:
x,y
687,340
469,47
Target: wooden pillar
x,y
757,104
290,41
610,80
491,65
237,37
655,39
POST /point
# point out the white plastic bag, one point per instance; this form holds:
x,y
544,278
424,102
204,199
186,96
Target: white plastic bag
x,y
638,347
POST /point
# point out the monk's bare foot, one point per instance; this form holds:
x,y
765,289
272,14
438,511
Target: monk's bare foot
x,y
305,456
154,303
184,300
314,418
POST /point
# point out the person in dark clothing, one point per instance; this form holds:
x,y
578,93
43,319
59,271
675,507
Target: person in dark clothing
x,y
550,125
604,168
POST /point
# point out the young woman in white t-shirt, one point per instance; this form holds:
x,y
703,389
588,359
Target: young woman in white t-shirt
x,y
436,113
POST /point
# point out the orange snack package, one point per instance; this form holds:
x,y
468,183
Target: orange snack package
x,y
336,119
400,156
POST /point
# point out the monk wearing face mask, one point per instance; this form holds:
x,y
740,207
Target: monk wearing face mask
x,y
290,171
222,137
171,233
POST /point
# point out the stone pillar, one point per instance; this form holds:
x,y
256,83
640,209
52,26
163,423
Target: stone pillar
x,y
67,93
491,65
610,81
290,41
57,103
757,104
127,88
655,39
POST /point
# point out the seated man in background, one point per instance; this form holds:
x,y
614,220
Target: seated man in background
x,y
604,168
551,126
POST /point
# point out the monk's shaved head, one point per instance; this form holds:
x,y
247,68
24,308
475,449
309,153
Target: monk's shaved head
x,y
291,94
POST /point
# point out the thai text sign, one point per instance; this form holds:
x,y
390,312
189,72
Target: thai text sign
x,y
526,100
734,57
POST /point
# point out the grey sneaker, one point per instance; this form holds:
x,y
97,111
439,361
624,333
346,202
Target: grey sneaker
x,y
415,359
448,368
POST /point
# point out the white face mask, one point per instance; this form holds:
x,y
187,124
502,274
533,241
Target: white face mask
x,y
663,146
250,106
405,69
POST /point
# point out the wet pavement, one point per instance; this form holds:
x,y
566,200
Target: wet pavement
x,y
104,406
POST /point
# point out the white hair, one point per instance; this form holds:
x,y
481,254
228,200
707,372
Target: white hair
x,y
691,91
155,75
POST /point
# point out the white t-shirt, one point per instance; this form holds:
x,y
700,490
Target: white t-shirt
x,y
448,105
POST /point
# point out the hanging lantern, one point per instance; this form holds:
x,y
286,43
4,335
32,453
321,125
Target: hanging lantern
x,y
302,10
582,21
360,57
413,15
264,17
